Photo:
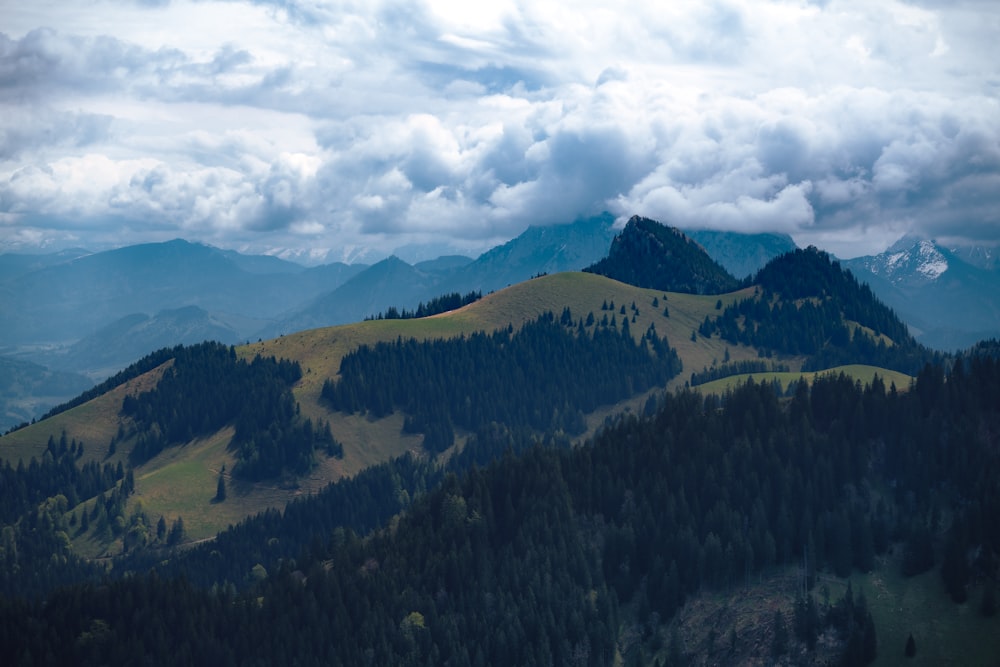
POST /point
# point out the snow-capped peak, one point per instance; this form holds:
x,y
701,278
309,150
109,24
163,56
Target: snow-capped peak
x,y
909,259
931,262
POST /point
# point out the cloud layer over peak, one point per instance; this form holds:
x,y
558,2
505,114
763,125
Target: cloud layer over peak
x,y
289,124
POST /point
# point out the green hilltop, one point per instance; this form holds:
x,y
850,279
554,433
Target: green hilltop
x,y
181,481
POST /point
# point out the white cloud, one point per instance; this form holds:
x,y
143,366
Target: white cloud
x,y
258,124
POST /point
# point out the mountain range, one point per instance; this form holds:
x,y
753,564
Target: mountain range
x,y
949,297
527,479
95,313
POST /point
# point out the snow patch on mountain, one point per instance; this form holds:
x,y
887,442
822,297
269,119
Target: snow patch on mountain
x,y
907,260
931,262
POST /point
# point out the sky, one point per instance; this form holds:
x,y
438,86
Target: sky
x,y
347,130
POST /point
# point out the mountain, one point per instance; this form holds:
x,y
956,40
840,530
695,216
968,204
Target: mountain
x,y
320,352
586,301
983,257
395,283
28,390
537,250
910,262
443,264
649,254
53,303
66,301
390,282
13,265
95,313
563,524
804,303
62,302
125,340
742,255
950,303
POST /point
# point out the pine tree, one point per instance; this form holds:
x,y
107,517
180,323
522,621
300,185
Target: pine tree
x,y
177,532
911,647
220,489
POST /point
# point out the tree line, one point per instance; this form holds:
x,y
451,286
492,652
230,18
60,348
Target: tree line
x,y
207,387
440,304
730,368
803,306
545,376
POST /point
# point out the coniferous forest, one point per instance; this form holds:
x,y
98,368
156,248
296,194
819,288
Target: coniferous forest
x,y
546,377
207,387
805,304
541,556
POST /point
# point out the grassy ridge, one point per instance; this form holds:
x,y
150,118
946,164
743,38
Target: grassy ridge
x,y
864,374
93,423
181,481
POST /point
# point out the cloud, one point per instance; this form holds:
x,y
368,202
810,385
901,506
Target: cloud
x,y
36,129
278,123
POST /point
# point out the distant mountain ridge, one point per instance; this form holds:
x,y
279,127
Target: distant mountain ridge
x,y
123,341
911,261
27,390
949,302
65,301
741,254
69,310
649,254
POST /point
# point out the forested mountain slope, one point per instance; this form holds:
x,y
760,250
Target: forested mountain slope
x,y
806,304
649,254
177,473
584,555
177,470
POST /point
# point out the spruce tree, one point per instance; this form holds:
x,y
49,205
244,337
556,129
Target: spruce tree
x,y
220,488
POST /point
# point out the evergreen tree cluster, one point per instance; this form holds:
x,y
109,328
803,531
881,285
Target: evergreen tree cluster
x,y
545,376
804,306
537,558
144,365
441,304
730,368
207,387
35,523
649,254
24,486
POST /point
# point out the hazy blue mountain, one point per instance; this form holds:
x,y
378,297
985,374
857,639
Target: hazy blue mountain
x,y
444,264
983,257
391,282
262,264
740,254
13,265
28,390
948,302
115,346
64,302
550,249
